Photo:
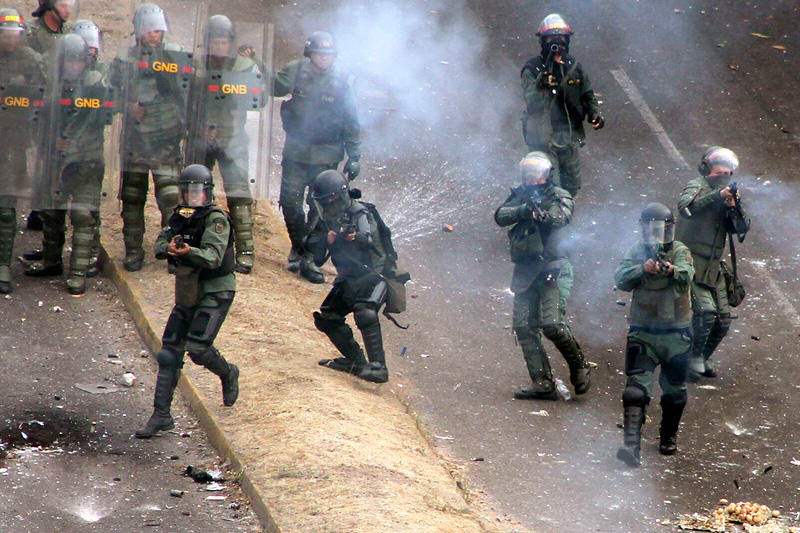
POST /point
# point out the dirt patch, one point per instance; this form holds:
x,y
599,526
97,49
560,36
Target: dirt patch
x,y
328,451
44,428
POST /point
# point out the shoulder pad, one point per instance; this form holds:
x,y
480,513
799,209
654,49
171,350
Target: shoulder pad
x,y
358,208
560,193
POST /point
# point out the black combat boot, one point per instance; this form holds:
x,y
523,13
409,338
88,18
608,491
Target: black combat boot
x,y
34,222
44,270
341,336
542,385
633,421
161,420
375,371
134,259
579,369
310,271
671,412
228,374
37,254
293,261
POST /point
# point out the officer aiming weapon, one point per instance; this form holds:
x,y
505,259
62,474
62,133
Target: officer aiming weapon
x,y
549,65
658,257
534,205
736,210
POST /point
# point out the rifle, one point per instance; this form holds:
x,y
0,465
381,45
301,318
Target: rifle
x,y
658,256
549,64
736,210
534,204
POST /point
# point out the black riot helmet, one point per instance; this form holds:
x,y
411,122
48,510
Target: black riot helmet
x,y
319,42
90,33
554,30
658,225
73,57
717,155
536,170
219,27
197,186
149,17
50,5
330,192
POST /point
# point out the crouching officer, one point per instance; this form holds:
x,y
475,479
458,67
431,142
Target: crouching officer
x,y
348,232
199,243
537,210
658,271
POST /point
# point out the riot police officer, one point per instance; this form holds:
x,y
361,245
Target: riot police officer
x,y
152,81
21,73
538,212
709,213
348,232
217,127
199,242
321,124
73,173
658,270
558,98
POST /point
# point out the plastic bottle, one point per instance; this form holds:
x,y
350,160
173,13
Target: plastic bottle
x,y
563,391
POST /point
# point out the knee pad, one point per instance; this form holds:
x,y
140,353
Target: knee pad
x,y
8,216
676,369
674,399
365,316
724,323
705,320
555,332
168,359
200,354
635,394
636,360
82,218
325,324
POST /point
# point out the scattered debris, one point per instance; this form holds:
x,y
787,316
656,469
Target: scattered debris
x,y
220,498
128,379
759,35
620,302
403,351
676,10
778,47
795,462
755,337
96,388
539,413
736,430
202,476
215,487
477,459
444,437
177,493
57,308
448,228
113,356
708,387
424,355
767,469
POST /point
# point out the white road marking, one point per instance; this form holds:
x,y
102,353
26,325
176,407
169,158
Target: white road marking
x,y
650,119
658,130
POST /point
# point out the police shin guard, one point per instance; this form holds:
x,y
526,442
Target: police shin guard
x,y
168,374
634,401
715,336
242,221
228,374
671,411
579,369
133,235
341,336
542,386
367,322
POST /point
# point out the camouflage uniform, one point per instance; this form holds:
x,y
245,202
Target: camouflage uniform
x,y
44,40
541,284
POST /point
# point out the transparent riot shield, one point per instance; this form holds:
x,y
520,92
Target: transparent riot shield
x,y
228,126
152,76
78,106
22,105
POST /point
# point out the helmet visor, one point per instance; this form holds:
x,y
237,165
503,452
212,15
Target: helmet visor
x,y
193,194
332,207
658,232
724,158
535,171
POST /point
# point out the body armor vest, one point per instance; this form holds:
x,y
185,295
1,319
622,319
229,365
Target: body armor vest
x,y
316,112
192,229
704,233
656,303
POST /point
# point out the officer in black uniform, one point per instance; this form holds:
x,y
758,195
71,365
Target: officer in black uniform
x,y
347,232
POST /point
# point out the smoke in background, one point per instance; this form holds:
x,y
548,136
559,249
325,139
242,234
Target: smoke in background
x,y
430,97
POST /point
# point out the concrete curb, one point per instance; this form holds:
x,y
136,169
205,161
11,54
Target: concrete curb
x,y
208,421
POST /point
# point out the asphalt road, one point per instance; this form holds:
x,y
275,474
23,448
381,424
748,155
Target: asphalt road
x,y
71,462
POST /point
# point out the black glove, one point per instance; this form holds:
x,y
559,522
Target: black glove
x,y
597,122
352,168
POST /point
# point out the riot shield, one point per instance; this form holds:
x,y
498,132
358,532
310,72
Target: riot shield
x,y
227,125
78,107
22,101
